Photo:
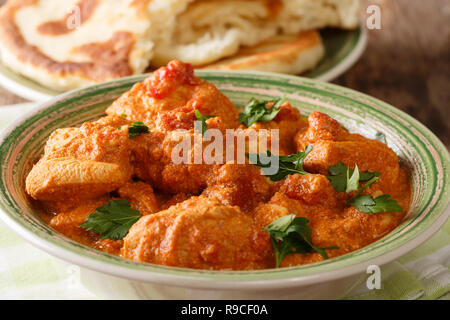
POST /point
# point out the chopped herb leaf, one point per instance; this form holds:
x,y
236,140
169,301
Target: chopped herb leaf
x,y
136,129
338,176
290,164
112,220
366,185
353,181
291,234
258,111
365,203
203,119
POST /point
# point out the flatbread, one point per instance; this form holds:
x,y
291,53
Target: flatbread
x,y
208,30
120,38
290,54
39,39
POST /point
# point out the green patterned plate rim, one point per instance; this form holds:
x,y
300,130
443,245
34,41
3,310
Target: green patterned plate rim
x,y
419,150
343,48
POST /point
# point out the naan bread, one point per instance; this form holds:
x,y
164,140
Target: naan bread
x,y
284,54
207,30
121,38
38,39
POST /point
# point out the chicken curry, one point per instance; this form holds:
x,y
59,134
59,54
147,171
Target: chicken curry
x,y
112,184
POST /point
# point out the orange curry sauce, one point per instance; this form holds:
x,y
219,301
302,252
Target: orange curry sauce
x,y
208,216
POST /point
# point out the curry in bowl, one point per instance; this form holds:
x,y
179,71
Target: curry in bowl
x,y
113,183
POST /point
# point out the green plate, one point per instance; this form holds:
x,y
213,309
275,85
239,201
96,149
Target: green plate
x,y
419,149
343,49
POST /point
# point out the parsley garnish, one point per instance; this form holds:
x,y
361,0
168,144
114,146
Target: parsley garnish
x,y
113,220
203,119
257,111
367,204
340,173
291,234
290,164
353,181
136,129
343,178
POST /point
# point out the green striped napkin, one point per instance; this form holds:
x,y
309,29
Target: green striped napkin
x,y
421,274
29,273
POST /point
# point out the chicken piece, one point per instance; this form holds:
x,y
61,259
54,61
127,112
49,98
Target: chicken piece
x,y
167,101
369,155
322,127
333,144
277,207
92,141
312,189
113,121
177,198
199,233
311,197
141,197
240,185
81,163
288,122
73,180
281,205
152,160
358,229
68,223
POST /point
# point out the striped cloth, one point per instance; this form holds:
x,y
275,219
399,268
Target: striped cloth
x,y
29,273
421,274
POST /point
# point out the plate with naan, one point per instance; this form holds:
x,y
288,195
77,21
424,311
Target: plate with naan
x,y
49,46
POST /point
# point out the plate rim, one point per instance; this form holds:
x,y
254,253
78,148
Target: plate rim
x,y
349,60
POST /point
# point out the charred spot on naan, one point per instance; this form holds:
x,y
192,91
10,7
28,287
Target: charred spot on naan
x,y
58,27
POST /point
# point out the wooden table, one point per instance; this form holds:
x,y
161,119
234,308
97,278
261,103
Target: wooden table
x,y
406,63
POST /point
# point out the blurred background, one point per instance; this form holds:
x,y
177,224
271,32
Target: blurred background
x,y
406,62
